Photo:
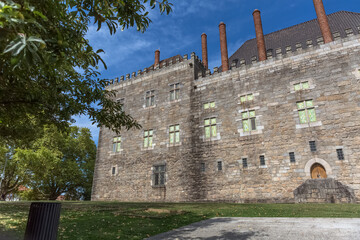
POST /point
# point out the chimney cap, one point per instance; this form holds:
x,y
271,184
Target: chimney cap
x,y
256,10
203,34
157,50
221,23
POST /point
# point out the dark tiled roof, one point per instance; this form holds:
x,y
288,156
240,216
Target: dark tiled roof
x,y
300,33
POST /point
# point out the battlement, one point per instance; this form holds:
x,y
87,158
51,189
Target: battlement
x,y
166,64
349,41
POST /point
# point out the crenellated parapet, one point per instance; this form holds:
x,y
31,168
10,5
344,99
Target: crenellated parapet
x,y
299,53
167,64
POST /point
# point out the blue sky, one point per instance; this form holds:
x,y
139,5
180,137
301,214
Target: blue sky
x,y
180,33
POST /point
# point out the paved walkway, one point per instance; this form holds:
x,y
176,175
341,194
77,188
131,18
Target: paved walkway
x,y
268,228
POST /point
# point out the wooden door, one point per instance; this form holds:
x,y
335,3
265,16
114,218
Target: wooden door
x,y
318,171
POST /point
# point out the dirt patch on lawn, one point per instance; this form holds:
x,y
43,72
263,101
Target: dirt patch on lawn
x,y
154,210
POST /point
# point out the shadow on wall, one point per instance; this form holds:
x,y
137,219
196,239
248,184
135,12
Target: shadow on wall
x,y
184,233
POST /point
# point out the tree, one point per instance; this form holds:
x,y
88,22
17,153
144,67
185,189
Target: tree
x,y
60,163
12,173
48,69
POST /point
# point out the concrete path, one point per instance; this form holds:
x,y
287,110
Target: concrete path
x,y
268,228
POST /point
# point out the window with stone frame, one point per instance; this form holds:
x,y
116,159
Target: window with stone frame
x,y
301,86
150,98
116,144
148,138
159,177
209,105
249,121
210,128
340,154
113,171
292,157
202,167
306,110
262,160
244,162
174,134
174,92
219,166
247,98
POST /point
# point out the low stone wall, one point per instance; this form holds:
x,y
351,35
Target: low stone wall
x,y
324,191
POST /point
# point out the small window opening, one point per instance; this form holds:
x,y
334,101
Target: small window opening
x,y
340,154
203,167
262,160
292,157
312,146
244,163
113,171
219,165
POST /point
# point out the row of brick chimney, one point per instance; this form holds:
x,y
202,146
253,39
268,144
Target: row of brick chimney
x,y
260,40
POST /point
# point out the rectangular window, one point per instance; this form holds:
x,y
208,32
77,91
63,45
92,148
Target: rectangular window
x,y
209,105
174,91
244,163
292,157
301,86
159,175
113,171
174,134
210,128
340,154
219,165
150,98
248,121
148,138
262,160
203,167
116,144
312,145
245,98
306,111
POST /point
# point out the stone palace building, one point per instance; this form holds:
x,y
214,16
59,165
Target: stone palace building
x,y
279,121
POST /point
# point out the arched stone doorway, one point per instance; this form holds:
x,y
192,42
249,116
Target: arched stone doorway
x,y
323,163
318,171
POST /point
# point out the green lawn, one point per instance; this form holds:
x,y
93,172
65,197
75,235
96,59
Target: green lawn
x,y
113,220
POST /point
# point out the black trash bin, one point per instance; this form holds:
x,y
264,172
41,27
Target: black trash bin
x,y
43,221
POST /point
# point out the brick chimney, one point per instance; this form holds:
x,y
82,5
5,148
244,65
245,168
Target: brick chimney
x,y
157,57
260,40
323,21
204,50
223,46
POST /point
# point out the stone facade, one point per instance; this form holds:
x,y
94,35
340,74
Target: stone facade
x,y
213,169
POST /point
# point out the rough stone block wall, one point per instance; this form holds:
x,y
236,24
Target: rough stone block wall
x,y
332,71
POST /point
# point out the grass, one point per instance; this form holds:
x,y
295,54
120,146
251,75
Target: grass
x,y
113,220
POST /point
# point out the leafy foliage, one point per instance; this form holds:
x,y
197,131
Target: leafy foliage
x,y
59,163
48,69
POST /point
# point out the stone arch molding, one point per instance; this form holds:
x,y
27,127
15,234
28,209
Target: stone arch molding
x,y
311,162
